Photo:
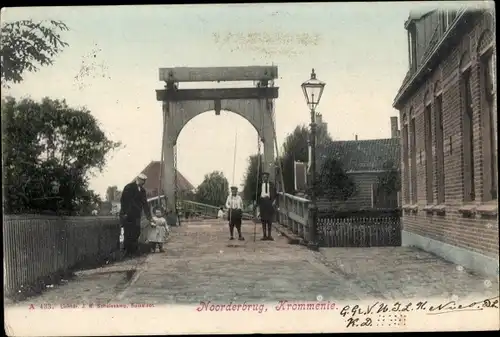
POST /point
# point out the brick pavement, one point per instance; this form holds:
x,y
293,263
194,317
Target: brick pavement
x,y
201,264
405,272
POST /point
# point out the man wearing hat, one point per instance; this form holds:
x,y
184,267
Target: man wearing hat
x,y
234,204
267,199
133,202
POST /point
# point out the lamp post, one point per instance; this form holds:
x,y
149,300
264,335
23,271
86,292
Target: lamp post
x,y
313,89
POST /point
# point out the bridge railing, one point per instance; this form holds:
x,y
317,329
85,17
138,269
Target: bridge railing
x,y
341,227
204,210
208,211
37,248
189,208
294,214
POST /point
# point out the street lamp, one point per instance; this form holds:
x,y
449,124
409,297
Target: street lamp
x,y
313,90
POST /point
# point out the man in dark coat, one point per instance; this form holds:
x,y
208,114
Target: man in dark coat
x,y
267,200
133,202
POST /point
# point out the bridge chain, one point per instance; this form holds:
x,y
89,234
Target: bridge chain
x,y
176,187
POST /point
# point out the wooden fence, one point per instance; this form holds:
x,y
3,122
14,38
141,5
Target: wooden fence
x,y
342,228
360,228
36,248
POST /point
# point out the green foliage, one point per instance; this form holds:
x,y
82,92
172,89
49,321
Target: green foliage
x,y
333,182
186,195
45,142
213,190
26,45
252,177
112,193
390,181
295,148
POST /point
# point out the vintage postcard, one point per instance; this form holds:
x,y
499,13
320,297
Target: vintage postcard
x,y
250,168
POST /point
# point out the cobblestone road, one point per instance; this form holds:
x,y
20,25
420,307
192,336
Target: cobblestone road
x,y
201,264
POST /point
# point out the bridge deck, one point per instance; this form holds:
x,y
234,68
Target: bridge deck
x,y
201,264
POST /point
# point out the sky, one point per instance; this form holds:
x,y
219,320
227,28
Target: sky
x,y
112,63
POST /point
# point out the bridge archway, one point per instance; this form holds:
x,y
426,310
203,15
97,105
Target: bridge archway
x,y
180,106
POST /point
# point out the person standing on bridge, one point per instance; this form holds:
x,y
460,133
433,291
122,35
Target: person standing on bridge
x,y
133,202
234,204
157,234
220,213
267,200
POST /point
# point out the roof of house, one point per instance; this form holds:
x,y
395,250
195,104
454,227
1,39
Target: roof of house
x,y
363,155
152,171
418,14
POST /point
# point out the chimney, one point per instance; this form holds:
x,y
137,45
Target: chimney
x,y
319,118
394,127
355,137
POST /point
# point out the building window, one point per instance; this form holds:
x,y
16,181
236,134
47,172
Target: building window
x,y
406,165
413,173
412,46
488,91
440,174
428,154
468,138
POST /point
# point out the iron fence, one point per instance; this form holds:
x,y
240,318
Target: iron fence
x,y
360,228
38,247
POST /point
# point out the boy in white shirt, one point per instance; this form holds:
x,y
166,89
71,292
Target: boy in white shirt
x,y
234,204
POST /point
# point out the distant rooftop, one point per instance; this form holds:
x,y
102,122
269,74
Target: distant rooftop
x,y
152,171
364,155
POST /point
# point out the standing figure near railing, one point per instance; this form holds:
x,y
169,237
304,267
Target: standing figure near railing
x,y
133,202
267,201
220,213
234,204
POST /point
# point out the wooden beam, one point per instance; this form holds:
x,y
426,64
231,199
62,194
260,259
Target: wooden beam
x,y
214,74
216,94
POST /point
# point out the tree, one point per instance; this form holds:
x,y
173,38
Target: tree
x,y
87,202
390,181
251,177
113,193
213,190
295,148
186,195
333,182
26,45
45,143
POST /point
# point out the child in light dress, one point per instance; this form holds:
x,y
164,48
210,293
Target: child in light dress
x,y
158,231
220,213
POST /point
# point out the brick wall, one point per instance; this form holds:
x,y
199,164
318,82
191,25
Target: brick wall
x,y
477,232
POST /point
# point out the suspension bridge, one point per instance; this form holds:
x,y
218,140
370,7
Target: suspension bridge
x,y
200,264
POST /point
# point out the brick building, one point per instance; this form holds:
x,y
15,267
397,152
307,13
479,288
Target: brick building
x,y
447,105
365,161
